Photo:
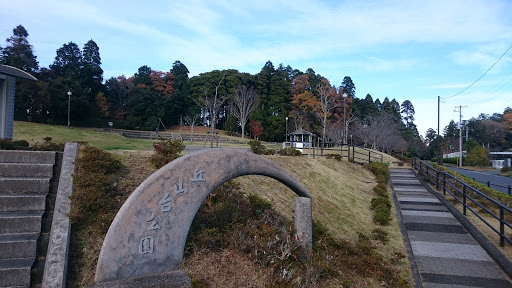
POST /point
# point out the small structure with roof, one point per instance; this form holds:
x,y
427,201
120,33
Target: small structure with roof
x,y
301,139
8,75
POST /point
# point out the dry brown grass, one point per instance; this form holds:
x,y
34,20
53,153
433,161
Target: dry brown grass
x,y
341,194
341,198
216,270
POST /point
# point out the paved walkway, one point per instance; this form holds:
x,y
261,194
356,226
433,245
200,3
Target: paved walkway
x,y
445,254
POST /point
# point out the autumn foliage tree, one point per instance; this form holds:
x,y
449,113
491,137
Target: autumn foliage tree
x,y
256,129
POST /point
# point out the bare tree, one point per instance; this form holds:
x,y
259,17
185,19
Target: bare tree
x,y
191,120
327,96
212,104
245,101
381,132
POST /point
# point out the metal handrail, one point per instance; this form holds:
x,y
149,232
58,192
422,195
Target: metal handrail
x,y
447,181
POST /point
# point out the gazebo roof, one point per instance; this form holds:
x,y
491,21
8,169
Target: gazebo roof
x,y
301,132
13,71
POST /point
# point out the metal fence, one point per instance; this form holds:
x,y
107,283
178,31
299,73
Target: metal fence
x,y
489,184
471,199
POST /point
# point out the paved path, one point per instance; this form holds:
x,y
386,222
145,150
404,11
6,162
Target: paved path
x,y
445,254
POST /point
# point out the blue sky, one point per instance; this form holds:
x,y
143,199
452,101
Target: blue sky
x,y
407,50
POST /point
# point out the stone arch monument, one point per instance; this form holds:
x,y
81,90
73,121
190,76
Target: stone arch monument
x,y
148,235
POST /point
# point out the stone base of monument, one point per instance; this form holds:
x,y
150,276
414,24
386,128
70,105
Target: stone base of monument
x,y
173,279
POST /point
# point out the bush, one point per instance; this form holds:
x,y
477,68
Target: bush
x,y
48,145
506,169
382,210
6,144
21,143
289,151
334,156
257,147
269,152
165,152
380,190
380,171
93,201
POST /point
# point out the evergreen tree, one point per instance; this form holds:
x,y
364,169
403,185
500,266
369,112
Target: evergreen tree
x,y
348,86
92,74
18,52
451,130
68,62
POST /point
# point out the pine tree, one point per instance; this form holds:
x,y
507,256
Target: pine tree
x,y
18,52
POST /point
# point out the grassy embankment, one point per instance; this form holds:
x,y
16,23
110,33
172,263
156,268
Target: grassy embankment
x,y
341,199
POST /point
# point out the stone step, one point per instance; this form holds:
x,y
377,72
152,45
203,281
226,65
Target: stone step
x,y
21,245
22,202
26,170
17,156
20,222
24,185
15,272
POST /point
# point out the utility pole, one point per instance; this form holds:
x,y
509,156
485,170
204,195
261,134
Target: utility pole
x,y
439,153
460,132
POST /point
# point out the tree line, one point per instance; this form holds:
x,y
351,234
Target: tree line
x,y
263,105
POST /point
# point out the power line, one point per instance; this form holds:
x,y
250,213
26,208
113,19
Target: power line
x,y
482,74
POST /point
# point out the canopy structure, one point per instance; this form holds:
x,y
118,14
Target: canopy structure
x,y
301,139
8,75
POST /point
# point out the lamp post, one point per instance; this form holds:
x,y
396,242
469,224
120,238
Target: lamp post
x,y
345,95
286,129
69,105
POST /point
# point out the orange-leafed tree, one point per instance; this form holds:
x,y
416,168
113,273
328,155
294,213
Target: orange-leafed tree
x,y
162,82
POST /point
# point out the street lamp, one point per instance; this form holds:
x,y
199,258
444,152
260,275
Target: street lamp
x,y
69,105
286,136
345,95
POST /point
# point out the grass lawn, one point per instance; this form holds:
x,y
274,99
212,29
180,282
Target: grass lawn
x,y
35,132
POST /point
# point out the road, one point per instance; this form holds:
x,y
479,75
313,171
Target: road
x,y
498,183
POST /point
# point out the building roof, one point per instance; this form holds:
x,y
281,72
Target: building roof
x,y
301,132
13,71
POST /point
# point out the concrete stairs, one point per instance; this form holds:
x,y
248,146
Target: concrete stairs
x,y
24,185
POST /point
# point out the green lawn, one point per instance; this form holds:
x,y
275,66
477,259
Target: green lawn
x,y
35,132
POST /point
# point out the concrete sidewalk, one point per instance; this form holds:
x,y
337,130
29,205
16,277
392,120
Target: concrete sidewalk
x,y
443,252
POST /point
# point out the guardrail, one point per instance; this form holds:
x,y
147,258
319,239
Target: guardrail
x,y
489,184
463,193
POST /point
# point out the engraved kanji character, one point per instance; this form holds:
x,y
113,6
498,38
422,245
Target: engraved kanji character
x,y
180,188
153,225
198,176
146,245
165,204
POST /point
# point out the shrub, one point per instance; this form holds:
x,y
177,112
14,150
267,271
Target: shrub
x,y
289,151
93,201
6,144
506,169
380,190
334,156
165,152
269,152
257,147
380,171
21,143
48,145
